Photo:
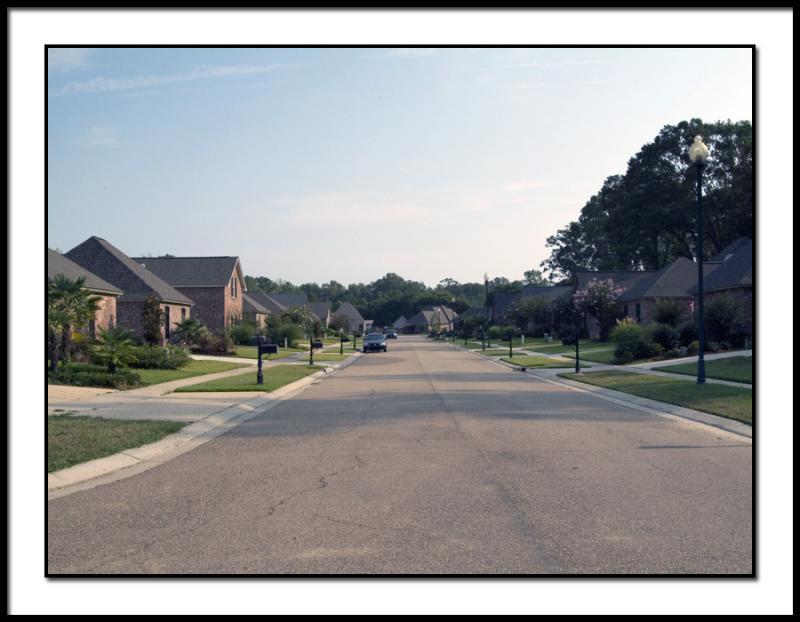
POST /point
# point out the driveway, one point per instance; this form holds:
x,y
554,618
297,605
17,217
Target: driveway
x,y
427,459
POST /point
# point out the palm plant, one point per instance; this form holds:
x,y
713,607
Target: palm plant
x,y
188,331
71,305
115,347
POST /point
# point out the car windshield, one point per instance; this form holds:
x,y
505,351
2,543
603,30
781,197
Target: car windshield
x,y
374,337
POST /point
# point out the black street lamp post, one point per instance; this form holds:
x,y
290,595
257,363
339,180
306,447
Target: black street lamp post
x,y
341,342
486,314
698,154
577,340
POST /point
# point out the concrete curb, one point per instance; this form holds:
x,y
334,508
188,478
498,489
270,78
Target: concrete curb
x,y
661,409
136,460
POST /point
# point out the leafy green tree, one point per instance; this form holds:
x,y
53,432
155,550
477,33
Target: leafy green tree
x,y
152,320
600,299
535,278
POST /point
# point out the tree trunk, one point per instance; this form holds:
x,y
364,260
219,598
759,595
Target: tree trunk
x,y
52,350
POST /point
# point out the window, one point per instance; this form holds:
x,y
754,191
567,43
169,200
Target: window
x,y
625,310
233,287
166,322
639,313
183,313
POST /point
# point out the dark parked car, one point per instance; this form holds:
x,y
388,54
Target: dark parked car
x,y
391,334
375,342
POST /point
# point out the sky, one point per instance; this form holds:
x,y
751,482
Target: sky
x,y
345,164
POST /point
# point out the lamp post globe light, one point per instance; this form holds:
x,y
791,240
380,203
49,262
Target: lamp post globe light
x,y
698,154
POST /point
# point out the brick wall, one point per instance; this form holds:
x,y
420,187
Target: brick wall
x,y
129,315
215,306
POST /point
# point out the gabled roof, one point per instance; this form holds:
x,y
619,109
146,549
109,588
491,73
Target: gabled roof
x,y
675,280
58,264
266,301
425,316
112,265
290,300
626,279
549,293
502,301
733,248
349,312
320,309
193,271
736,271
251,305
400,322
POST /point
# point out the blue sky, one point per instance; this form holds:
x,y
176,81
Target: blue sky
x,y
346,164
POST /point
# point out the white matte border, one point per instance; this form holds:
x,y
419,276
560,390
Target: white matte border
x,y
770,30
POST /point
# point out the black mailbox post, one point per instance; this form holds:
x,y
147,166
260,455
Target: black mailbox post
x,y
263,348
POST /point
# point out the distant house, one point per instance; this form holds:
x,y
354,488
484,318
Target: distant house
x,y
434,319
254,311
136,283
321,311
215,284
108,293
353,319
400,323
290,300
267,302
503,302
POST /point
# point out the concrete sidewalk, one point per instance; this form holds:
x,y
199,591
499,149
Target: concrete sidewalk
x,y
209,415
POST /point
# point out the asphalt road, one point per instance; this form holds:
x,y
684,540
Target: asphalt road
x,y
426,459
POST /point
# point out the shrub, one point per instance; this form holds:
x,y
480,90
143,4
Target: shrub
x,y
212,343
668,311
155,357
687,333
502,332
723,318
86,375
633,341
292,333
243,332
664,335
694,347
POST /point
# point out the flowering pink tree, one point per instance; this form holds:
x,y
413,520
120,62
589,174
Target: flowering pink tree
x,y
600,300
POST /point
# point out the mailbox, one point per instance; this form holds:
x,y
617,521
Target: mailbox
x,y
268,348
317,344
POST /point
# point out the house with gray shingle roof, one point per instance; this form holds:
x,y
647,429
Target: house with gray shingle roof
x,y
354,320
106,313
253,310
215,284
136,282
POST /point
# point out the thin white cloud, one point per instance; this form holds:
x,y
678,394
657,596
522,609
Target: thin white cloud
x,y
102,85
567,63
63,60
402,53
98,135
551,85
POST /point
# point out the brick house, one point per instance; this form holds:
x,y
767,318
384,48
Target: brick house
x,y
435,319
354,320
733,277
137,284
254,311
105,316
215,284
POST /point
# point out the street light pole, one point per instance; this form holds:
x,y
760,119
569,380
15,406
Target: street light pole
x,y
698,153
486,314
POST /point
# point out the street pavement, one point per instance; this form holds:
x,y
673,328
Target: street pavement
x,y
427,459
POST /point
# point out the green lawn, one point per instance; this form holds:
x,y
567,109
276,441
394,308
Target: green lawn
x,y
736,369
597,356
503,352
717,399
539,361
274,378
72,440
557,348
251,352
194,368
